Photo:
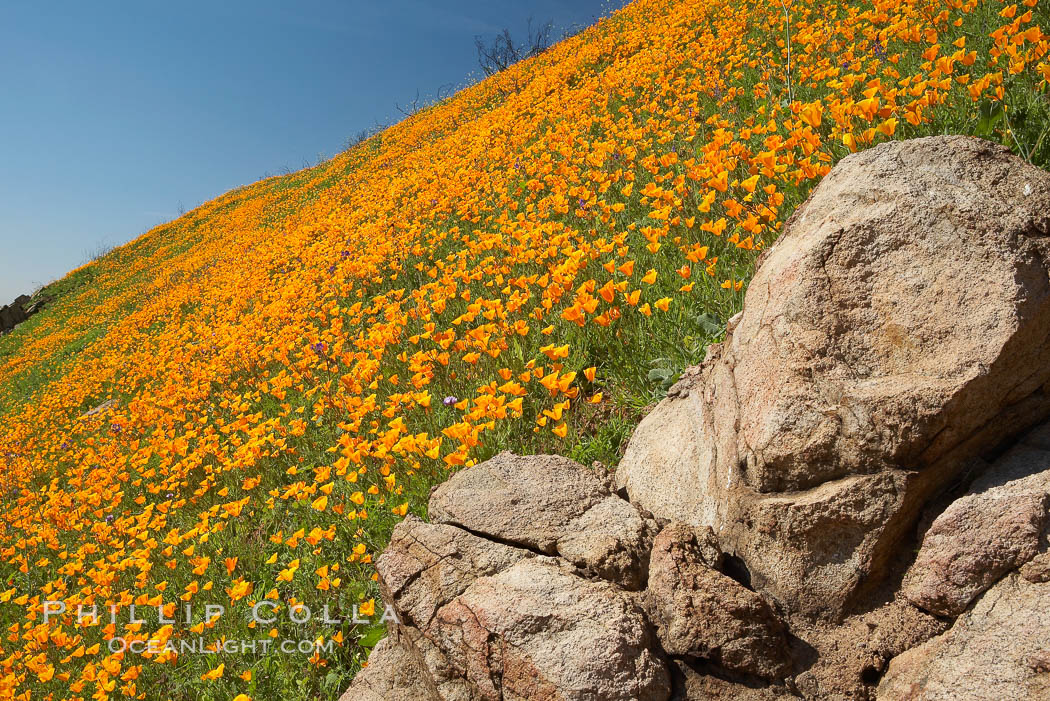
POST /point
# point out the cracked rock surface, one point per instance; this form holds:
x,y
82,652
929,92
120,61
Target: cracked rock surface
x,y
997,650
427,565
490,617
551,505
537,630
701,613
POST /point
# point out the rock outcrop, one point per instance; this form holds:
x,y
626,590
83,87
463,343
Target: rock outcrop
x,y
488,614
898,326
847,500
18,311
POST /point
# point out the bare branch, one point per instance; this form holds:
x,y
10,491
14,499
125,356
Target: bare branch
x,y
411,108
503,51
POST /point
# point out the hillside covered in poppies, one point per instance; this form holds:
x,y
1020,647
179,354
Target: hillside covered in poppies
x,y
239,405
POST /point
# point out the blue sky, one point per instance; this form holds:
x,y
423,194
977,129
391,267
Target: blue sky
x,y
115,115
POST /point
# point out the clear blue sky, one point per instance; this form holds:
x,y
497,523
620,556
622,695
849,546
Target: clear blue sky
x,y
115,114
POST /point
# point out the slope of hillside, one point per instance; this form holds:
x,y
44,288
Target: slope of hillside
x,y
285,371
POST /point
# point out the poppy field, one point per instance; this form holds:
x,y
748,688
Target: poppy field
x,y
238,406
